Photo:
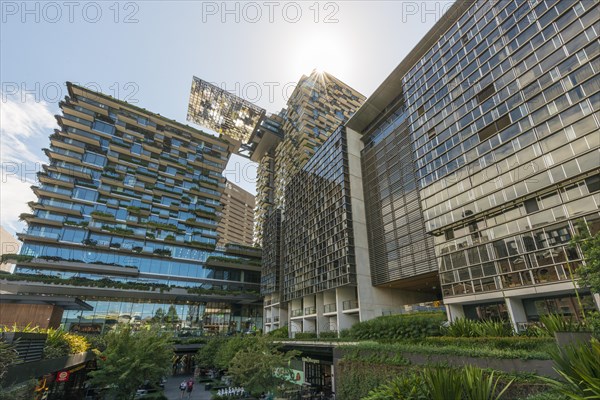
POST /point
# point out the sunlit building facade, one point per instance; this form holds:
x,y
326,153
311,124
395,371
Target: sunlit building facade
x,y
499,103
283,143
236,224
126,219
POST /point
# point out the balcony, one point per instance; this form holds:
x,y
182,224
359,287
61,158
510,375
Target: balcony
x,y
297,313
310,310
350,305
329,308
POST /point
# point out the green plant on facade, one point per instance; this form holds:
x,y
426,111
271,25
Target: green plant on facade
x,y
15,258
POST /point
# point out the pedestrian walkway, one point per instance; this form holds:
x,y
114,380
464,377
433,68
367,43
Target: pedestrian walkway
x,y
173,393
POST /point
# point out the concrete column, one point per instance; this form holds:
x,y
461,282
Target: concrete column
x,y
321,320
454,311
597,298
345,321
516,311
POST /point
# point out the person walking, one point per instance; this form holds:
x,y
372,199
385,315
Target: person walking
x,y
189,387
182,388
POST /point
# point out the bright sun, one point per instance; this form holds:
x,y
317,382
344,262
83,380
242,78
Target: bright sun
x,y
319,53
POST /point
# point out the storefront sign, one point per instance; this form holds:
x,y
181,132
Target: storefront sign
x,y
62,376
86,328
291,375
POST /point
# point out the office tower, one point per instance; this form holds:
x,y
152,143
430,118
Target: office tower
x,y
499,106
326,275
237,221
126,219
282,144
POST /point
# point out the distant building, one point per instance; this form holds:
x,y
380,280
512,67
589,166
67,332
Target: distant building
x,y
237,220
8,245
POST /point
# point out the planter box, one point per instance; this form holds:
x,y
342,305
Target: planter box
x,y
29,346
564,339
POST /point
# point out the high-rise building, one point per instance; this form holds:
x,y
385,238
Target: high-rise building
x,y
237,220
126,219
490,128
327,281
284,142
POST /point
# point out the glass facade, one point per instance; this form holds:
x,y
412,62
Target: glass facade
x,y
131,200
318,239
501,104
271,255
399,248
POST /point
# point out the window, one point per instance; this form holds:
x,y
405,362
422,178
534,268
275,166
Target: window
x,y
531,206
486,92
84,194
103,127
593,183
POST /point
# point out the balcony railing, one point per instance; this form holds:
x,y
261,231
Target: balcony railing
x,y
310,310
349,305
268,320
297,313
327,308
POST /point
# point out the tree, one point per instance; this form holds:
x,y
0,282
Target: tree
x,y
255,365
230,348
131,359
207,354
159,315
589,273
172,316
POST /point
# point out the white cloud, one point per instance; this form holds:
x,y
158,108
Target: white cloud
x,y
24,123
24,130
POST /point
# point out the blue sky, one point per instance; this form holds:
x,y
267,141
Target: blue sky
x,y
146,52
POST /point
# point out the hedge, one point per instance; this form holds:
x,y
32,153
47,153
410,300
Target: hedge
x,y
397,327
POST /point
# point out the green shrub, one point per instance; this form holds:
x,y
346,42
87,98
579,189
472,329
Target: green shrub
x,y
531,344
469,347
305,335
328,335
356,378
580,369
478,386
593,323
464,327
60,343
280,333
407,386
375,353
397,327
441,383
560,323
